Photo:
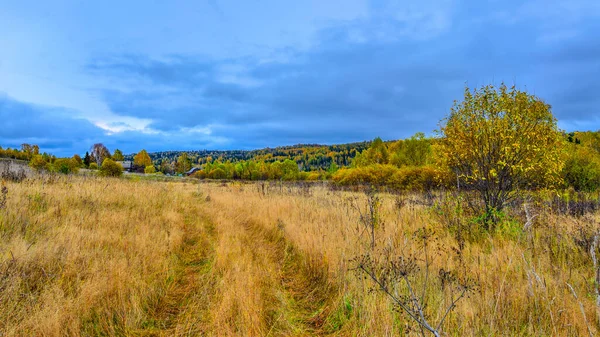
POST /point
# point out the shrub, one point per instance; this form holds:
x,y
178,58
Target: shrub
x,y
376,174
313,176
149,169
38,163
415,178
217,173
111,168
199,175
65,165
582,173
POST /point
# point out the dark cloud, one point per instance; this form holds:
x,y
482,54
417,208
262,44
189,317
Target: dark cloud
x,y
391,73
176,70
358,90
53,129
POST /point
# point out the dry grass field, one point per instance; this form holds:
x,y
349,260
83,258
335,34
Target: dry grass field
x,y
88,256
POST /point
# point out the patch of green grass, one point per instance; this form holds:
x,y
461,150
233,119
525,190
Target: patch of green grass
x,y
341,315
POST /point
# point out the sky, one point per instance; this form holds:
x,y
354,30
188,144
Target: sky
x,y
222,74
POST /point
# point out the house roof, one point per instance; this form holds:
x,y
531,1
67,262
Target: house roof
x,y
126,164
192,170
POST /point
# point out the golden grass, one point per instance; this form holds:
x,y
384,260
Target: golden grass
x,y
89,256
86,256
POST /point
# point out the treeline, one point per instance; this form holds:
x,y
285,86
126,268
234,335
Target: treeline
x,y
414,164
308,157
45,161
409,164
26,152
402,164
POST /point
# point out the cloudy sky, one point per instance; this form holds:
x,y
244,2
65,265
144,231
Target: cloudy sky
x,y
225,74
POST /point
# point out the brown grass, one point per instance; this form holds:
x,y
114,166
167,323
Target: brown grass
x,y
85,256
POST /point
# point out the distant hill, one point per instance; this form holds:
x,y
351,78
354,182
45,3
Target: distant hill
x,y
308,156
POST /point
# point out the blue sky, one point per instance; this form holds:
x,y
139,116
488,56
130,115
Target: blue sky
x,y
217,74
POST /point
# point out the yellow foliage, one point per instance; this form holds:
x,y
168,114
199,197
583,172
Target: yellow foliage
x,y
498,140
414,178
142,159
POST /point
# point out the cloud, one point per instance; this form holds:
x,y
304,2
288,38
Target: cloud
x,y
325,94
391,72
53,129
350,89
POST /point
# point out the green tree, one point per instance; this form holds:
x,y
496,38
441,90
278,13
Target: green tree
x,y
118,155
501,140
582,169
87,159
110,168
183,163
290,169
276,170
415,151
377,153
332,168
217,173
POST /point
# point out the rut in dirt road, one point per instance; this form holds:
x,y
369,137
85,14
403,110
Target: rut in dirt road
x,y
305,291
182,309
236,277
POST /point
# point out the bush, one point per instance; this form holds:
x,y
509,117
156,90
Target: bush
x,y
376,174
419,178
217,174
93,166
313,176
65,165
582,173
111,168
38,163
149,169
199,175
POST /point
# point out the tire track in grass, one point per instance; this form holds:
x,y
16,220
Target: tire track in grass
x,y
306,294
182,308
258,283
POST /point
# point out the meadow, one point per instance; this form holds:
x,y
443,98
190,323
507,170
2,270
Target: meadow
x,y
93,256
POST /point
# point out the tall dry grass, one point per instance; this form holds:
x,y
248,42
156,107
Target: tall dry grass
x,y
93,256
520,280
90,256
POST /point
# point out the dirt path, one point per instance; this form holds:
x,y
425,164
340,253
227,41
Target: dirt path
x,y
183,307
302,283
237,277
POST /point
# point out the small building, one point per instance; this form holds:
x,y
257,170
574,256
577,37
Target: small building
x,y
127,165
